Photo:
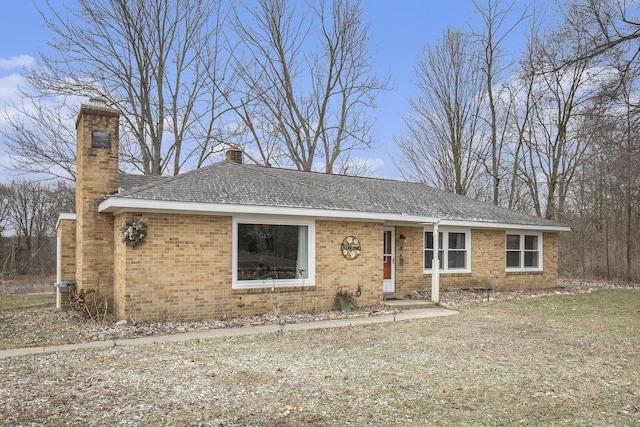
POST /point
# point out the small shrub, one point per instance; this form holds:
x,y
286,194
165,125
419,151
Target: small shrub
x,y
345,299
88,304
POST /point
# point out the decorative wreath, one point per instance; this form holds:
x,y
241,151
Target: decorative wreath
x,y
351,247
134,232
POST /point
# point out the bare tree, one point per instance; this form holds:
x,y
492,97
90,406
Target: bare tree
x,y
555,147
32,209
612,190
523,96
628,169
497,24
606,203
158,62
519,125
26,202
443,146
5,194
306,83
41,139
590,150
611,28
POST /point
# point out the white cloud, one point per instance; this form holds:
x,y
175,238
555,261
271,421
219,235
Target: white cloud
x,y
16,62
9,95
5,166
375,166
9,86
363,166
11,82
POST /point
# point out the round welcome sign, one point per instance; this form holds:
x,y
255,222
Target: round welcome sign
x,y
351,247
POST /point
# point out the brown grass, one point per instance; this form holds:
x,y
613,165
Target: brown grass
x,y
19,285
557,360
18,302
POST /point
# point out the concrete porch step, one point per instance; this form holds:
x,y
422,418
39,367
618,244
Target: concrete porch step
x,y
407,304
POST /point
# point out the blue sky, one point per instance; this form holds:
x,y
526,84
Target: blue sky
x,y
400,28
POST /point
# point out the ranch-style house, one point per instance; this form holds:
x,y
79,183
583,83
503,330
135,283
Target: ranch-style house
x,y
235,239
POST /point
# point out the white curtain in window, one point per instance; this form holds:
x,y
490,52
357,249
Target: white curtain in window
x,y
302,263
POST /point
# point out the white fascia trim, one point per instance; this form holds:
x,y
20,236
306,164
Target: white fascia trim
x,y
65,216
502,225
117,205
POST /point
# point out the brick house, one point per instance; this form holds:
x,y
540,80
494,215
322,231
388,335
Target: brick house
x,y
236,239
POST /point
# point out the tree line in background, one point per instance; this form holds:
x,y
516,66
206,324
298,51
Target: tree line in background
x,y
29,212
552,131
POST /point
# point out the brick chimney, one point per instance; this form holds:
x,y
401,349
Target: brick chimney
x,y
234,154
97,134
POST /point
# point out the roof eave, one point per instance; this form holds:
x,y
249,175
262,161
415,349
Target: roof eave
x,y
117,205
65,216
505,225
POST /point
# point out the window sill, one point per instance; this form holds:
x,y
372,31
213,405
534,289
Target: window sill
x,y
280,285
448,272
254,290
521,272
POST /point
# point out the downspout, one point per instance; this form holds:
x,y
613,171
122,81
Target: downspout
x,y
435,266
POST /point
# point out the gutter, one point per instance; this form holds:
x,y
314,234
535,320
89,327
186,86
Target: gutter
x,y
117,205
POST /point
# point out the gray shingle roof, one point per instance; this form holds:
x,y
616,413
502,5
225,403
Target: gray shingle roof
x,y
252,185
128,182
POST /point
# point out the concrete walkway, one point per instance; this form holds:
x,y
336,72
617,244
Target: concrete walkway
x,y
231,332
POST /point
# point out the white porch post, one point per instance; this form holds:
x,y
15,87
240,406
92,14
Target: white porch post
x,y
58,267
435,267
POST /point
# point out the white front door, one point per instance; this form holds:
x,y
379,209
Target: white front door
x,y
389,260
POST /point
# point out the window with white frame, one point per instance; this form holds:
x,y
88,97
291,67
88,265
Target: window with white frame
x,y
453,250
524,251
268,253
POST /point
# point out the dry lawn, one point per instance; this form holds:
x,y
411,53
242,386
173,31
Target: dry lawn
x,y
20,285
556,360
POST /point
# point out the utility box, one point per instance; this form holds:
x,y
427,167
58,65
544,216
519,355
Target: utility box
x,y
62,293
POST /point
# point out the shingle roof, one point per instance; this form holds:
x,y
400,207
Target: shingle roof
x,y
128,182
253,185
